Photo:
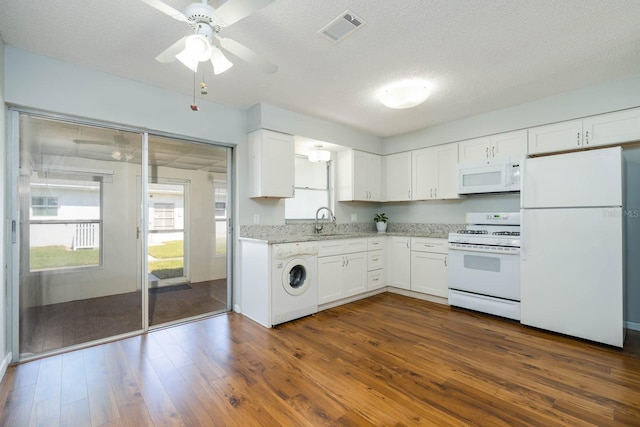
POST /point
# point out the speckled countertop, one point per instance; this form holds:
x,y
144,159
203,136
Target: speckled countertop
x,y
304,232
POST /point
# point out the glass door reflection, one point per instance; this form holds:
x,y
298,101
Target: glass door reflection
x,y
77,263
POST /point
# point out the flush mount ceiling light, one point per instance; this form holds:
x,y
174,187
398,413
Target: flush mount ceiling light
x,y
319,155
404,94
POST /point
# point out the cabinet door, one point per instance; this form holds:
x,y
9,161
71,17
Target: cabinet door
x,y
424,172
272,164
354,274
446,161
475,150
359,173
399,256
374,177
612,128
509,144
556,137
397,177
429,273
330,278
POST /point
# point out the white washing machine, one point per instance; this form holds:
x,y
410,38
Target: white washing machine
x,y
294,281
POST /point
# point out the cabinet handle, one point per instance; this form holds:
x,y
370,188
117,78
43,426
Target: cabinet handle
x,y
409,194
445,261
586,137
343,260
375,259
493,151
293,190
435,192
431,193
578,139
407,244
347,258
486,152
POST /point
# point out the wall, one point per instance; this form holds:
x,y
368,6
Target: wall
x,y
271,211
4,351
632,241
37,81
605,97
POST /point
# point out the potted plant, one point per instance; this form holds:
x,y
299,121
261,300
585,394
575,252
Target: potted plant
x,y
381,222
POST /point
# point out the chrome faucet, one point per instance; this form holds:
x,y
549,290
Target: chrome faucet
x,y
332,218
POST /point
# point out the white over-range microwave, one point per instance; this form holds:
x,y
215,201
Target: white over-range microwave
x,y
501,175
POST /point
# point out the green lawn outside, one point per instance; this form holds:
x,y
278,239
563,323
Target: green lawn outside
x,y
46,257
171,249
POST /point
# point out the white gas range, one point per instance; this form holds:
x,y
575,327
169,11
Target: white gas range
x,y
484,264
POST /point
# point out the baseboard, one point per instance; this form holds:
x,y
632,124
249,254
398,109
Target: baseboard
x,y
418,295
5,365
632,325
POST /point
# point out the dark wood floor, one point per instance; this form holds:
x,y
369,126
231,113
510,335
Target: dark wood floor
x,y
55,326
386,360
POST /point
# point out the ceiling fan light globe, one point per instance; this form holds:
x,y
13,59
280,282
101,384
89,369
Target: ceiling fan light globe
x,y
219,61
198,47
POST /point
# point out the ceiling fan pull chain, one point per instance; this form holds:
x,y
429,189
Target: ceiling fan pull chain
x,y
193,106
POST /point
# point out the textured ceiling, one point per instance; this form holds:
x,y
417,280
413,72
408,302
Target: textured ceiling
x,y
480,55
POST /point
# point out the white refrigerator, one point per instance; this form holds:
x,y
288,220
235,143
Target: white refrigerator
x,y
572,272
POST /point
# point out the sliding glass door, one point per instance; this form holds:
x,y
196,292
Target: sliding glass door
x,y
187,259
78,234
97,254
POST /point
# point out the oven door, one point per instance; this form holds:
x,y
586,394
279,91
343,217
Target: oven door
x,y
485,273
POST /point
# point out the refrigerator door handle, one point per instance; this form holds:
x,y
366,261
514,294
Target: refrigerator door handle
x,y
523,234
523,174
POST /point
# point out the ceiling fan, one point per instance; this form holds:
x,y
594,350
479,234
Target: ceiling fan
x,y
206,43
120,146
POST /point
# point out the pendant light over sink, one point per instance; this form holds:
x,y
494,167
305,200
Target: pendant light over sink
x,y
404,93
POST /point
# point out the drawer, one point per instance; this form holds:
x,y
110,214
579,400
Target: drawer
x,y
330,247
375,260
426,244
376,280
355,245
376,243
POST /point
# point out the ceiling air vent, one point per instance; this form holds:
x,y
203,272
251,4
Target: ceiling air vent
x,y
341,27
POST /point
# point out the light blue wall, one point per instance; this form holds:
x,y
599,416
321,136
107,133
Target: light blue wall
x,y
44,83
601,98
270,117
632,241
3,260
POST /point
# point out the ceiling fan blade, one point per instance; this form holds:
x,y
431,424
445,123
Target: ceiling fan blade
x,y
166,9
234,10
169,55
219,61
247,55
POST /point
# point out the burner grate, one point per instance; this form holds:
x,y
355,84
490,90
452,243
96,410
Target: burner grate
x,y
506,233
472,232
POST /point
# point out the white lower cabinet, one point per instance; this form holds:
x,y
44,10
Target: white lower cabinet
x,y
399,256
343,269
429,269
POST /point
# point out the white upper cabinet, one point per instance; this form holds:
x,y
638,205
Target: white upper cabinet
x,y
359,176
507,144
271,164
435,172
555,137
612,128
397,177
605,129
